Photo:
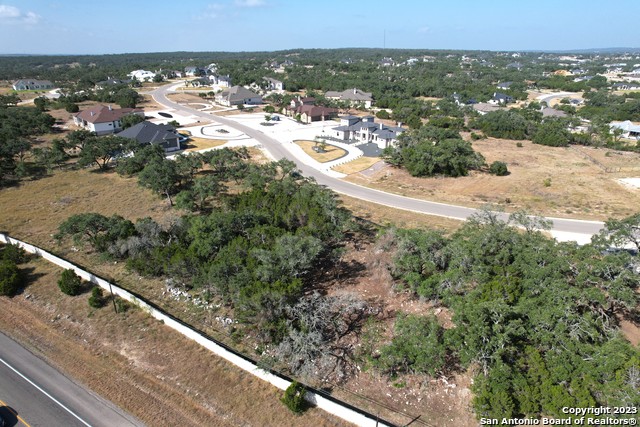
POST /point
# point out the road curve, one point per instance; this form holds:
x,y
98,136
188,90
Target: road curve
x,y
32,393
277,151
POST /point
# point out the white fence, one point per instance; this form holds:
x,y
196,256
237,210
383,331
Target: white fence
x,y
327,403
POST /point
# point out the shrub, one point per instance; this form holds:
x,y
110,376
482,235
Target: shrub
x,y
382,114
547,182
294,397
13,253
10,278
498,168
70,283
96,300
519,144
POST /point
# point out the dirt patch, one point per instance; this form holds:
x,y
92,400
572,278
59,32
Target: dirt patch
x,y
144,367
331,152
360,164
552,181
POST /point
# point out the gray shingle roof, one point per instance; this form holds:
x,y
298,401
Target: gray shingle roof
x,y
150,133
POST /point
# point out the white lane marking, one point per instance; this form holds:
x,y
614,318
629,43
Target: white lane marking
x,y
45,393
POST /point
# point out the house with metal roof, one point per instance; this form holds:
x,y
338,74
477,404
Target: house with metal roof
x,y
150,133
364,129
237,95
353,96
504,85
103,120
32,84
629,129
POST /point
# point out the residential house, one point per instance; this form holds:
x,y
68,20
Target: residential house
x,y
102,119
552,112
516,65
483,108
504,85
193,71
142,75
308,112
222,81
352,96
237,95
273,84
199,82
626,86
364,130
150,133
629,130
501,98
30,84
112,82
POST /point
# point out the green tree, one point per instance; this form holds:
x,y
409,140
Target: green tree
x,y
96,300
552,133
70,283
161,177
96,229
10,278
498,168
100,150
131,120
294,397
418,346
127,98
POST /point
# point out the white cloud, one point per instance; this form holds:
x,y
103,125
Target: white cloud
x,y
13,14
9,12
250,3
213,11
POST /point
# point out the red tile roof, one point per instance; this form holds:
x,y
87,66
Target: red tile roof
x,y
103,114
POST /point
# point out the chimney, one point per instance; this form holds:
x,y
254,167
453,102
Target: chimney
x,y
399,124
380,126
91,113
355,90
110,108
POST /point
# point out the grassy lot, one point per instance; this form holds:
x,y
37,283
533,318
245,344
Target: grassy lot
x,y
146,368
332,152
356,165
561,182
195,144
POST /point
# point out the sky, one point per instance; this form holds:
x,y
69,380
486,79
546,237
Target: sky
x,y
123,26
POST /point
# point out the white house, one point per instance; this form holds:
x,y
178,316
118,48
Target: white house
x,y
221,81
273,84
30,84
102,119
142,75
364,129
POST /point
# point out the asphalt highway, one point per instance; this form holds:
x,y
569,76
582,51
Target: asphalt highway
x,y
32,393
277,151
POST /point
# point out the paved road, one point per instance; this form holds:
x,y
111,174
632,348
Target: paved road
x,y
32,393
277,151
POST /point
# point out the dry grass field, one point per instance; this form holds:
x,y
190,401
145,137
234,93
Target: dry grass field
x,y
146,368
563,182
331,152
196,144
